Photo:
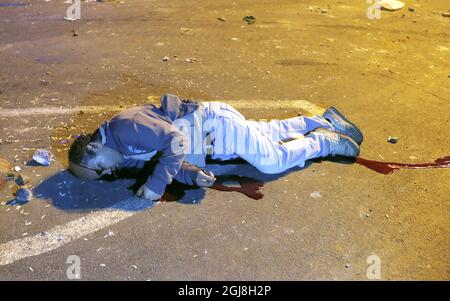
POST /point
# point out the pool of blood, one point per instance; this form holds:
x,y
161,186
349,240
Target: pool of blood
x,y
246,186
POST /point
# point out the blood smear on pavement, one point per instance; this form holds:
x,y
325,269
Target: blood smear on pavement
x,y
391,167
247,186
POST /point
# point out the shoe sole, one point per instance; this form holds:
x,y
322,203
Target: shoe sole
x,y
335,111
353,142
348,139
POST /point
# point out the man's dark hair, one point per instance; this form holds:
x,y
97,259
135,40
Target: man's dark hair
x,y
78,150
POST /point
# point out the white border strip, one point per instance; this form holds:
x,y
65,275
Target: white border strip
x,y
59,236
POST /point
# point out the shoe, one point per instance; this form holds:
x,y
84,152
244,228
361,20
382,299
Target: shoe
x,y
338,144
342,124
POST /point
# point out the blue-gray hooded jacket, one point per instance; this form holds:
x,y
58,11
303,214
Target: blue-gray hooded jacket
x,y
141,132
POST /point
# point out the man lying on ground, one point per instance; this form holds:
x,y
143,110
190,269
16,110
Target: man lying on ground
x,y
181,133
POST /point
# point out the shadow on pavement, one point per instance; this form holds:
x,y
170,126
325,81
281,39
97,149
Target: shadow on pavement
x,y
71,194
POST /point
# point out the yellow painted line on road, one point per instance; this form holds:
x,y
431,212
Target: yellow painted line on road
x,y
61,235
310,108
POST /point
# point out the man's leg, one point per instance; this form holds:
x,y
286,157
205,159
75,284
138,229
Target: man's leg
x,y
271,157
234,135
278,130
268,156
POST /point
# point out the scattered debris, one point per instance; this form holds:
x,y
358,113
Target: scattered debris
x,y
184,29
9,176
222,19
392,140
315,194
347,265
102,265
17,168
110,233
134,267
43,157
249,19
391,4
45,82
74,33
191,60
23,195
22,180
411,9
166,58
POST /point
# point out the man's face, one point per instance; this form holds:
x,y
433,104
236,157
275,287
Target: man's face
x,y
105,160
99,160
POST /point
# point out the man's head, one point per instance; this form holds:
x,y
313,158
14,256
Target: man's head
x,y
90,159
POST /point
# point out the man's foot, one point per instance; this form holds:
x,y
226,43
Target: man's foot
x,y
342,124
338,144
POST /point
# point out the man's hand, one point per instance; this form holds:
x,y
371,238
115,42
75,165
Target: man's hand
x,y
146,193
205,179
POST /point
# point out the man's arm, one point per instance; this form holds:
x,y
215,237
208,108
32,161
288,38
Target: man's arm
x,y
192,175
185,173
169,163
188,174
175,108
